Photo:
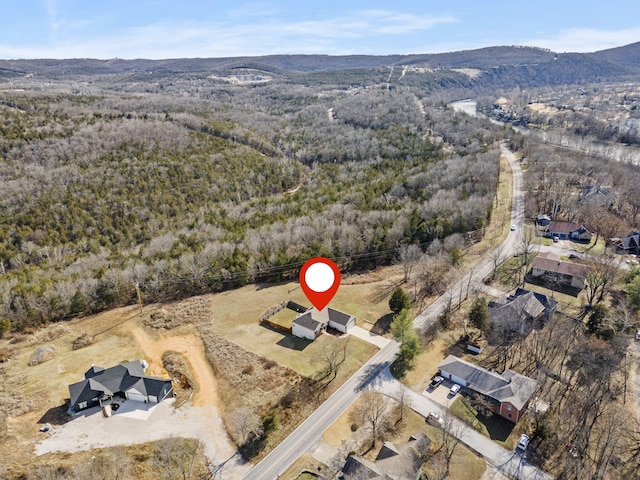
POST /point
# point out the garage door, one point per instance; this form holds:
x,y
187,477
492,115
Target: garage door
x,y
133,395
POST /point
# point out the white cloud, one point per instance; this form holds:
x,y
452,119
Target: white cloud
x,y
253,36
587,40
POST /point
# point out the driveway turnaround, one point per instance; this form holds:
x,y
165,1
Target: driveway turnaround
x,y
91,430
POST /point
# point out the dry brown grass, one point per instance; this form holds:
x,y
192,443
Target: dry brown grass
x,y
304,463
140,459
465,465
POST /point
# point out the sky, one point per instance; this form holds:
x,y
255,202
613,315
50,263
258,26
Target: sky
x,y
158,29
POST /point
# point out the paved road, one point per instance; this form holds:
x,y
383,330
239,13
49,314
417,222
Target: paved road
x,y
310,431
375,373
483,269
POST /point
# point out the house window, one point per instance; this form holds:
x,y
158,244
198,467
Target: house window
x,y
509,408
509,415
82,405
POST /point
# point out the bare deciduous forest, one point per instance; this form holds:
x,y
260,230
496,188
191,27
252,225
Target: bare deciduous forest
x,y
223,184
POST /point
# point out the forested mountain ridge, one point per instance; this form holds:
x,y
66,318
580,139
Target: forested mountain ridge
x,y
539,63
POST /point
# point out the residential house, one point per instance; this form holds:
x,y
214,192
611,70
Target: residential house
x,y
394,462
568,231
521,312
598,195
629,244
127,380
557,272
507,394
313,322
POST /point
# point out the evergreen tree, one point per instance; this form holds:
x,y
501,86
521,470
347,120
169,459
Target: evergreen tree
x,y
403,331
399,301
479,314
78,303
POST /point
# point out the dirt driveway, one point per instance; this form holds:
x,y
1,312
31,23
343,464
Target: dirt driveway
x,y
192,349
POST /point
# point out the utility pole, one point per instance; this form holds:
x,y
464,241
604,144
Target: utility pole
x,y
137,284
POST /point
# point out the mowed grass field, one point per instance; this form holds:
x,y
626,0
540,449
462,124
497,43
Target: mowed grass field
x,y
236,314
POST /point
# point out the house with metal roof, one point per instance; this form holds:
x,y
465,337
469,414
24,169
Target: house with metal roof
x,y
568,231
508,393
629,244
127,381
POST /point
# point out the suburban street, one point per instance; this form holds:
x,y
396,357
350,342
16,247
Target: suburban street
x,y
310,431
483,269
508,462
375,374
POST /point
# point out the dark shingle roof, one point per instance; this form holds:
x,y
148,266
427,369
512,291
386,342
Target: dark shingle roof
x,y
313,319
99,382
509,387
339,317
563,227
306,320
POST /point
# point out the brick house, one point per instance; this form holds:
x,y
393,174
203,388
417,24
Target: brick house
x,y
508,393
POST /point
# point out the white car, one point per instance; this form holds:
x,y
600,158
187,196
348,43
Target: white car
x,y
523,442
513,228
434,419
455,389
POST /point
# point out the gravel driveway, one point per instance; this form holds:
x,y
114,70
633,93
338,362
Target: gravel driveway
x,y
91,430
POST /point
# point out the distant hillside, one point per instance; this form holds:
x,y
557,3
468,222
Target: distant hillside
x,y
629,55
502,65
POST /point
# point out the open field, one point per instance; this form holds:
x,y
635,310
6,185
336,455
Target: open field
x,y
36,394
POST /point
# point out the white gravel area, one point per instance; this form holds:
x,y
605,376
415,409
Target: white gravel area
x,y
128,427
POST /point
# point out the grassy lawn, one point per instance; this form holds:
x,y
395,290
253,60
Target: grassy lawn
x,y
234,309
284,317
496,428
426,365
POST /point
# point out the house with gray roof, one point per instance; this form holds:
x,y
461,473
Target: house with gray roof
x,y
313,322
126,380
521,312
394,462
629,244
507,393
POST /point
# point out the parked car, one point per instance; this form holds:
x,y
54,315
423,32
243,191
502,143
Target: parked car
x,y
556,239
455,389
435,381
513,228
523,443
434,419
638,334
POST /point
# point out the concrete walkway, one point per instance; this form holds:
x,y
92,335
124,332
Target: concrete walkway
x,y
367,336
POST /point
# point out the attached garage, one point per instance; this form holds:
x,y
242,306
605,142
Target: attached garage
x,y
449,376
133,394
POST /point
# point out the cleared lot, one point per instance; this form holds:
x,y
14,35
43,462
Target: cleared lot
x,y
129,426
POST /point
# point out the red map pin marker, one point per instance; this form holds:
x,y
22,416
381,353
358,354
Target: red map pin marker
x,y
320,279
